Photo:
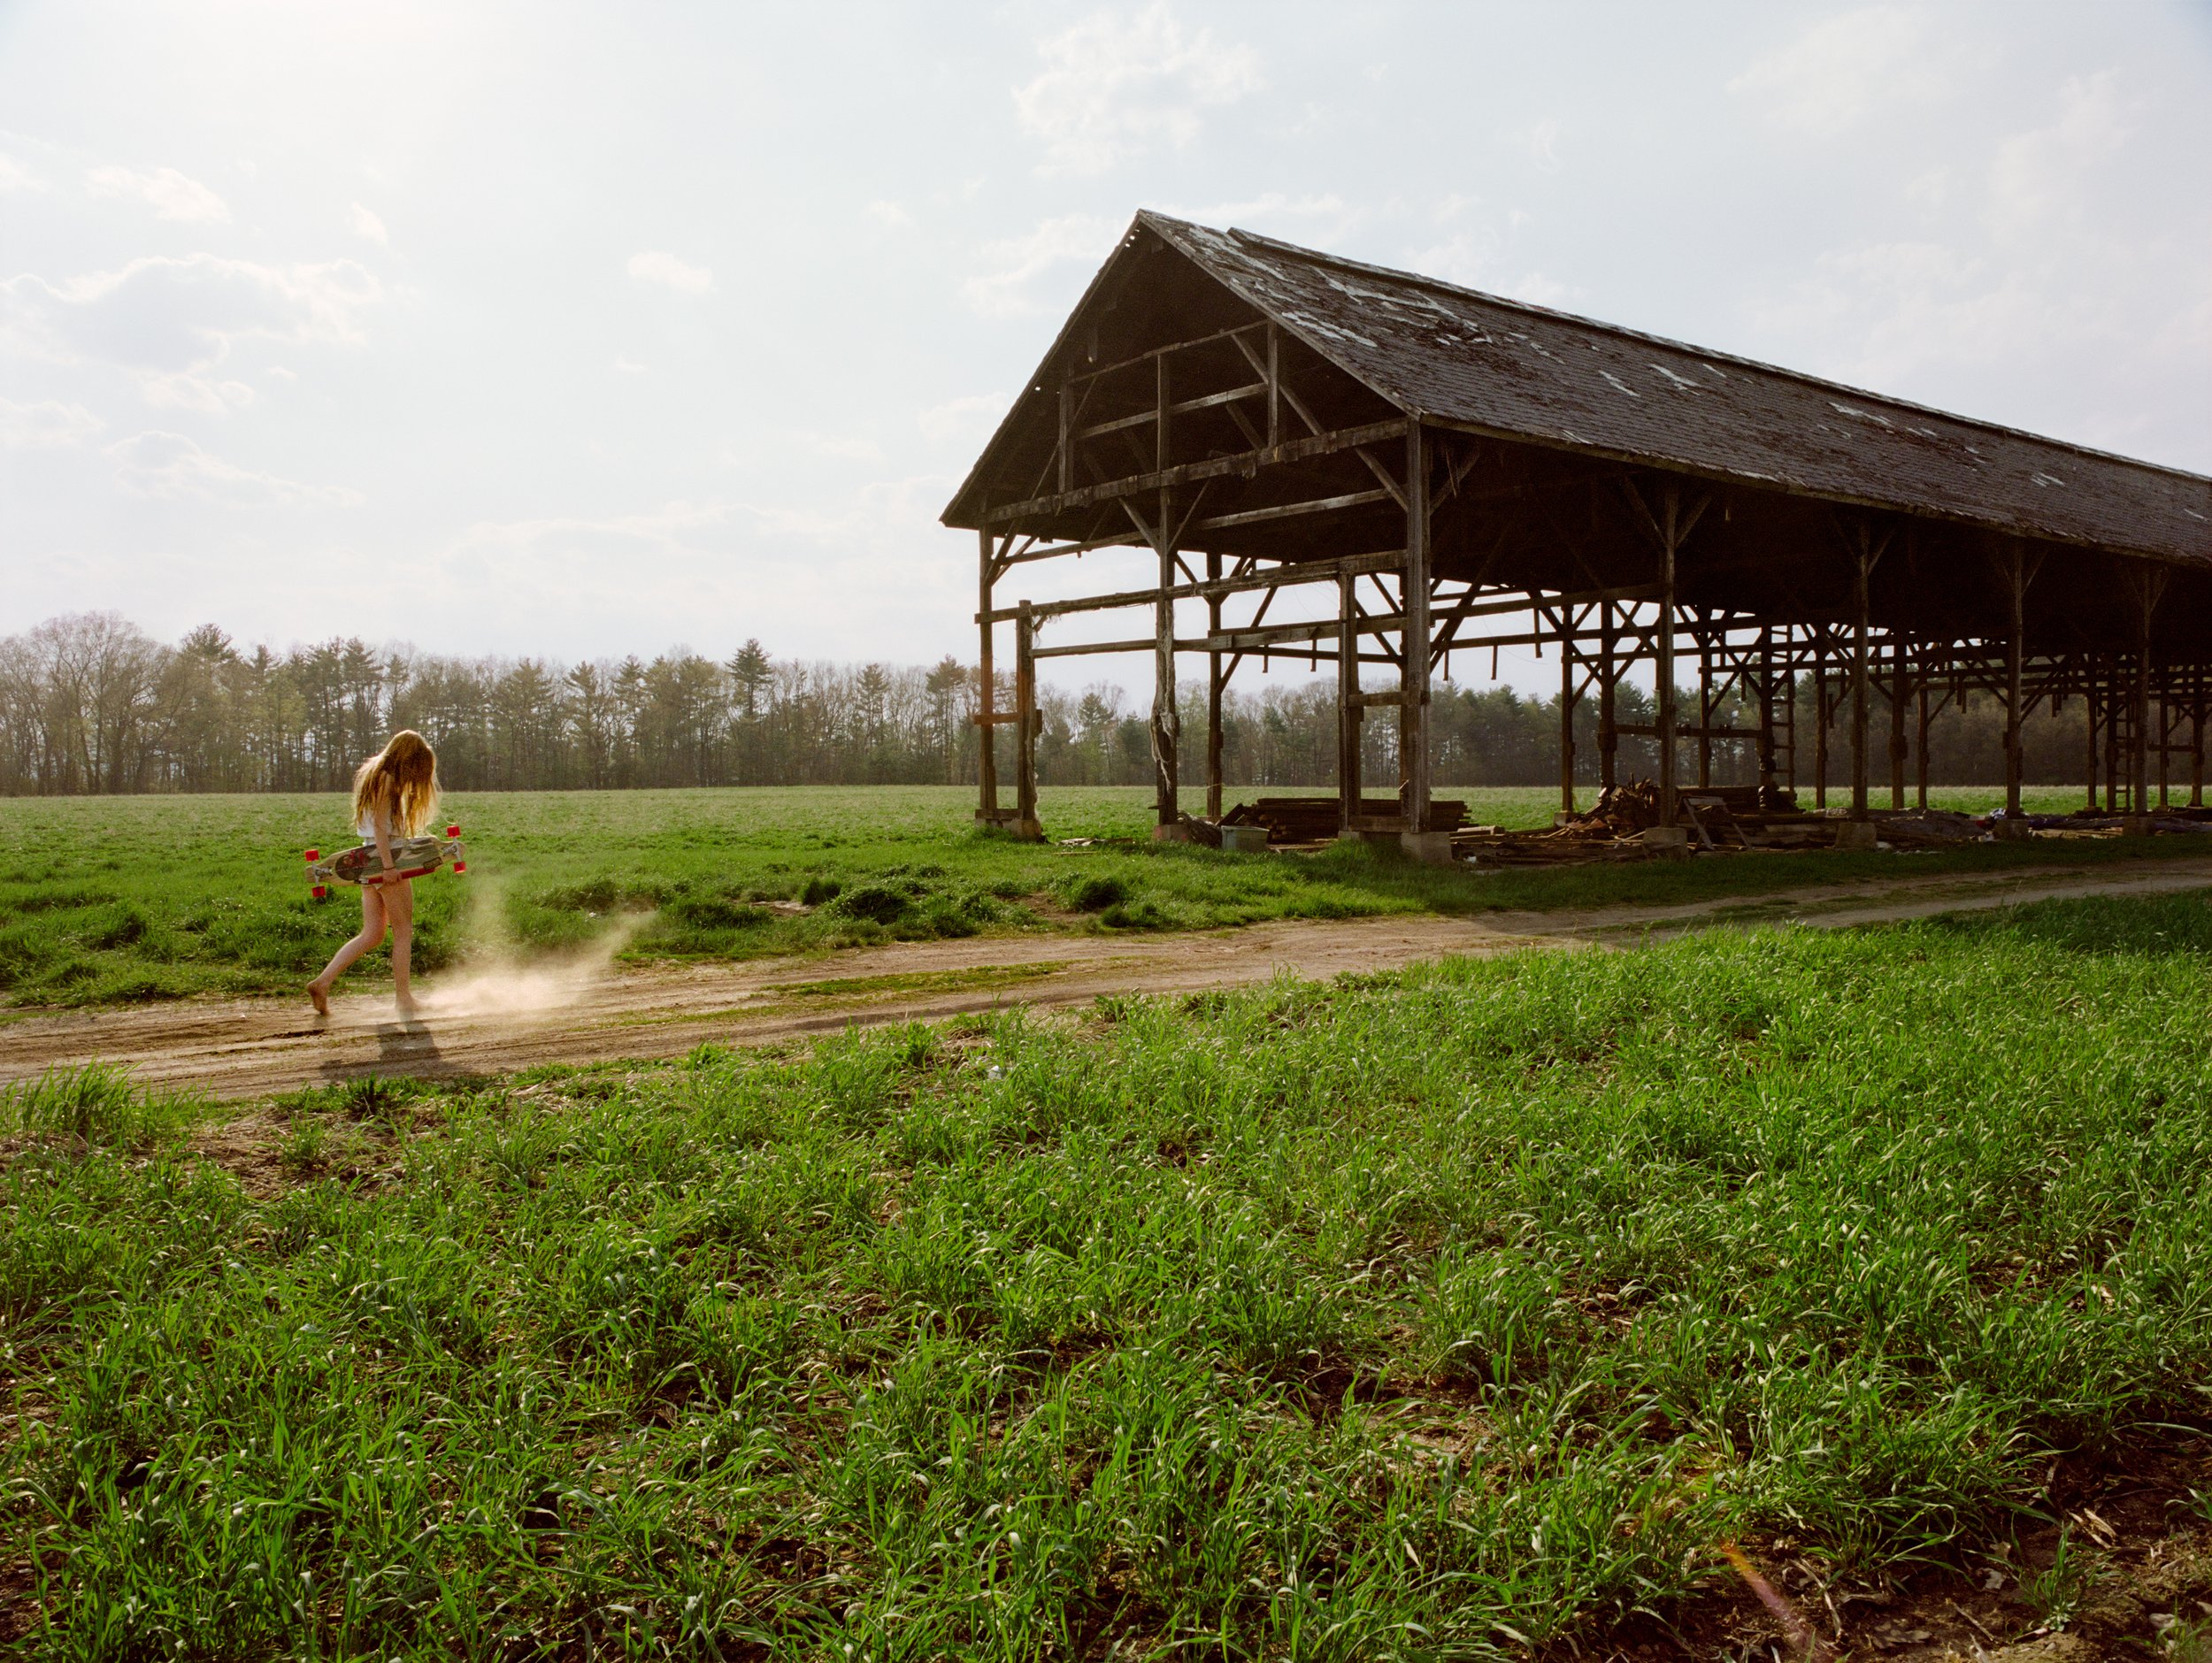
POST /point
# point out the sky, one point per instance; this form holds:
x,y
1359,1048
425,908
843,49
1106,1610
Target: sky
x,y
579,331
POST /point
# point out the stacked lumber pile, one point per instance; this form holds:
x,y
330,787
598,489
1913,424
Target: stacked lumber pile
x,y
1928,829
1716,817
1317,819
1604,834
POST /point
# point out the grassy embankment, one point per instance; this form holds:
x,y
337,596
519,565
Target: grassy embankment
x,y
104,899
1428,1314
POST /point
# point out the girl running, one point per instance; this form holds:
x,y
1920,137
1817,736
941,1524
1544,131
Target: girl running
x,y
395,795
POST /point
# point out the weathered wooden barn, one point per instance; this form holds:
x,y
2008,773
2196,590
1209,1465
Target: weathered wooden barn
x,y
1459,470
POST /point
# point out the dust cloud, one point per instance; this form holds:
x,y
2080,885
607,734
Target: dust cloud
x,y
499,980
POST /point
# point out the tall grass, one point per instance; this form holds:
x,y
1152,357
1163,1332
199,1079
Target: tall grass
x,y
108,901
1432,1315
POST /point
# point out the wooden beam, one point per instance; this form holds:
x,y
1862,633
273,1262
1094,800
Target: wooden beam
x,y
1292,511
1273,578
1233,395
1192,473
1151,353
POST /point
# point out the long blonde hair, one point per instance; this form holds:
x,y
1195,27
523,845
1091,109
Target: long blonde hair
x,y
402,780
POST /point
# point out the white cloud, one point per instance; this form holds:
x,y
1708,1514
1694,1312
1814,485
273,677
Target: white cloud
x,y
1843,68
2043,174
890,215
1001,292
1113,83
15,176
1329,216
655,265
2019,263
167,192
47,423
845,447
204,394
730,560
628,367
174,468
171,323
1541,142
878,518
1538,288
962,418
1468,257
677,525
365,224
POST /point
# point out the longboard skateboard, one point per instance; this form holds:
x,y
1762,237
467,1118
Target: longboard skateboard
x,y
411,857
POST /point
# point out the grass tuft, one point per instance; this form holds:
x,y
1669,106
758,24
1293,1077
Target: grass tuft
x,y
96,1103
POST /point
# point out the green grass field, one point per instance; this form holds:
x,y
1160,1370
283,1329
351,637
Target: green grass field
x,y
1439,1314
114,899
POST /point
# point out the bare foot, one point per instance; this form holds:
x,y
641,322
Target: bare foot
x,y
408,1009
321,994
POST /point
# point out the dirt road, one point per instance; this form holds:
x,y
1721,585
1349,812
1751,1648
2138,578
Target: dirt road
x,y
242,1048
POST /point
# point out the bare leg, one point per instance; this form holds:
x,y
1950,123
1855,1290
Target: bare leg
x,y
399,904
372,932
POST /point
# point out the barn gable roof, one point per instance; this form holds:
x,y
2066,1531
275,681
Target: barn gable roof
x,y
1457,357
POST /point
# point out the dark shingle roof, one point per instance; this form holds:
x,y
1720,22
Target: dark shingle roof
x,y
1452,356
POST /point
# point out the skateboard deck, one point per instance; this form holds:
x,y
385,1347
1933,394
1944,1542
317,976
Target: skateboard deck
x,y
411,857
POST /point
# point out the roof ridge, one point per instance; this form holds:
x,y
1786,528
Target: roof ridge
x,y
1419,279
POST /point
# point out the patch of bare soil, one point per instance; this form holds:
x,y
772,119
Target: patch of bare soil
x,y
245,1048
2113,1561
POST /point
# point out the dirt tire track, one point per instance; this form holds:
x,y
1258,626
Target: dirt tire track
x,y
249,1048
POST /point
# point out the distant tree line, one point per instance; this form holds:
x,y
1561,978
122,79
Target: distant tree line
x,y
90,703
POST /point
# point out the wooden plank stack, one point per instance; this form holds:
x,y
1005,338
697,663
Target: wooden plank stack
x,y
1316,819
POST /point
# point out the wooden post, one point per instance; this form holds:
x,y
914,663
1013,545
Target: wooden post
x,y
1920,746
2016,592
1026,723
2089,704
1705,709
1900,685
1066,451
1820,717
2196,743
1414,641
1662,695
1348,706
1608,735
1213,697
1766,714
1786,697
1167,720
985,695
1861,568
2115,715
1566,711
2165,743
2147,585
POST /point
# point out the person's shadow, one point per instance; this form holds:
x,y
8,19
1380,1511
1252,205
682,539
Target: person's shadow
x,y
405,1046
